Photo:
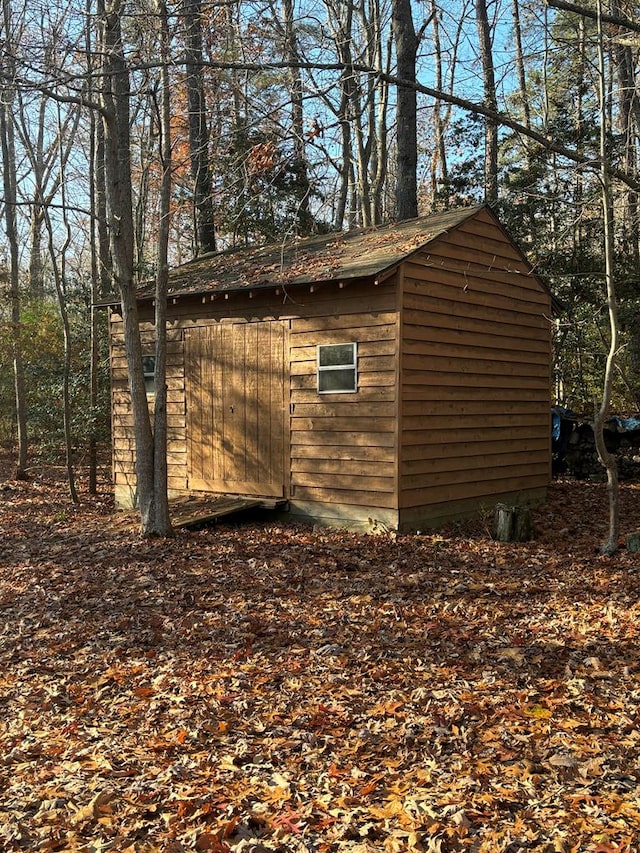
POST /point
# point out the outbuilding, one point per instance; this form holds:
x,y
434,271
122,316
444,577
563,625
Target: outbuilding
x,y
385,378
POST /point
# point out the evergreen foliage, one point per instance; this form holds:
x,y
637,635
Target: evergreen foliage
x,y
44,366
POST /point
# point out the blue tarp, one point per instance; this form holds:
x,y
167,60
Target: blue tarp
x,y
559,414
625,424
615,423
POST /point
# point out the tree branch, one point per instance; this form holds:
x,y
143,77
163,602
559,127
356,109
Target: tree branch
x,y
501,118
505,120
616,20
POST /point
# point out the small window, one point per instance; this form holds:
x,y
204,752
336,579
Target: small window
x,y
337,368
149,370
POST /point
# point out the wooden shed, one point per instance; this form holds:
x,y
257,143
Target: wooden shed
x,y
387,378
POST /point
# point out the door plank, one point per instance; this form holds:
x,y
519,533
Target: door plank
x,y
235,422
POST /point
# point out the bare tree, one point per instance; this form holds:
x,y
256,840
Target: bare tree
x,y
198,127
607,459
58,266
353,194
439,155
292,52
361,111
161,506
115,94
441,110
9,178
523,94
629,129
406,42
490,100
99,248
62,142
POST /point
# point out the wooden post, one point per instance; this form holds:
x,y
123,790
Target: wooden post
x,y
513,523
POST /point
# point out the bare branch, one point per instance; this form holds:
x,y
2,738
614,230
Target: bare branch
x,y
616,20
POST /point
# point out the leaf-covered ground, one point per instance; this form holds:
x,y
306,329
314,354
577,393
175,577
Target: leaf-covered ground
x,y
259,686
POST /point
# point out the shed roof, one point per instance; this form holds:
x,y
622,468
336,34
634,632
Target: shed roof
x,y
360,253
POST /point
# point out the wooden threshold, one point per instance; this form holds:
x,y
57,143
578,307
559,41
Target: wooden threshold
x,y
191,511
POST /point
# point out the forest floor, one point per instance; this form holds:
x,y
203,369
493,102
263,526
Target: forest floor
x,y
260,686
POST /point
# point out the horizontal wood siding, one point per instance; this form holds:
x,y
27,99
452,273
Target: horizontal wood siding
x,y
123,438
452,406
343,446
341,449
475,376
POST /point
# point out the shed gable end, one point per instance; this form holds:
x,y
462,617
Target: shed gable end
x,y
475,375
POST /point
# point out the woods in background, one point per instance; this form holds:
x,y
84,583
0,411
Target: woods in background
x,y
260,121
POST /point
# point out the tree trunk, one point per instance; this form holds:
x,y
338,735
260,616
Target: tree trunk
x,y
36,268
100,261
7,144
379,110
48,169
93,247
439,167
361,111
102,217
162,521
520,65
342,38
198,128
406,44
578,189
356,158
607,459
490,101
94,349
115,94
292,54
629,122
59,278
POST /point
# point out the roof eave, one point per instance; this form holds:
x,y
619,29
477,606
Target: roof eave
x,y
376,276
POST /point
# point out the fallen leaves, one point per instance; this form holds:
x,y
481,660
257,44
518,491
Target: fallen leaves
x,y
279,688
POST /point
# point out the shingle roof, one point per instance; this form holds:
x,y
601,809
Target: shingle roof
x,y
328,257
337,256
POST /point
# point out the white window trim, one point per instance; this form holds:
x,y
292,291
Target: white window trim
x,y
352,365
149,375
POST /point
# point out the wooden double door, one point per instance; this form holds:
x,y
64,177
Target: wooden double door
x,y
234,377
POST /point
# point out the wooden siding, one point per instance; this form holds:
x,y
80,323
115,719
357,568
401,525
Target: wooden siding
x,y
235,400
123,440
338,455
475,368
451,411
344,446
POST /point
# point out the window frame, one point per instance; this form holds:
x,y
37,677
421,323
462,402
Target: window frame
x,y
149,374
324,369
